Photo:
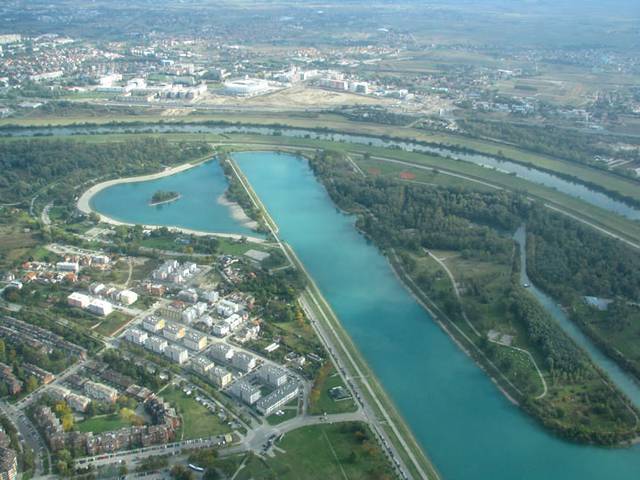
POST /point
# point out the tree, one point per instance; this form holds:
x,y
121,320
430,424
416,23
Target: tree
x,y
32,384
180,472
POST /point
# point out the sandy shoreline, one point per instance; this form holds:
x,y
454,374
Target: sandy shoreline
x,y
84,205
238,213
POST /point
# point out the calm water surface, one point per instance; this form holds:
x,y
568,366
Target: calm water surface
x,y
197,208
467,427
464,423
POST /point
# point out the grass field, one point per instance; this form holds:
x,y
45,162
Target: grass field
x,y
197,421
319,452
112,323
327,404
101,424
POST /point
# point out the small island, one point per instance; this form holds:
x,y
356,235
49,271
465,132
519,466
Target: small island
x,y
162,196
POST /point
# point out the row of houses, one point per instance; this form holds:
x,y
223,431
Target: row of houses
x,y
173,272
163,430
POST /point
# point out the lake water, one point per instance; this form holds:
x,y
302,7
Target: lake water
x,y
465,424
197,208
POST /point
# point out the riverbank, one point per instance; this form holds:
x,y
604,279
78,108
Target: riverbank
x,y
84,204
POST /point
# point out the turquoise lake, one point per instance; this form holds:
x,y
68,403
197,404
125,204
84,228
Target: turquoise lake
x,y
467,427
197,208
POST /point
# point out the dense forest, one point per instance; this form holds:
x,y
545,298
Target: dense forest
x,y
29,166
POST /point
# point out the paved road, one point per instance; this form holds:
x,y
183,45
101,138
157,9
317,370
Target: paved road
x,y
28,435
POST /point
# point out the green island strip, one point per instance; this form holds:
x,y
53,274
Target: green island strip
x,y
161,197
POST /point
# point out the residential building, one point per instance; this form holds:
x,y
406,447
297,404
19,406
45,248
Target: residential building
x,y
80,300
127,297
100,307
68,267
177,354
100,392
201,365
220,376
246,392
8,464
78,403
243,361
272,376
277,399
221,352
156,344
221,329
173,332
195,340
137,336
226,308
153,324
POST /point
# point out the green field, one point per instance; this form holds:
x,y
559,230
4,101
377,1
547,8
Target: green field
x,y
321,452
327,404
197,421
106,423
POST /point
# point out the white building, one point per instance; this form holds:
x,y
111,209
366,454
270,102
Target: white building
x,y
153,324
189,315
221,329
277,399
220,376
173,332
100,307
137,336
202,365
156,344
177,354
246,392
226,308
195,340
79,300
272,376
247,87
67,267
233,322
210,296
127,297
221,352
243,361
188,295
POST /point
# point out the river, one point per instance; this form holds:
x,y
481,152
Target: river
x,y
469,429
574,189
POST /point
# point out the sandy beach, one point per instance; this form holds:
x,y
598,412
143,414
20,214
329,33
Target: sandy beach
x,y
84,205
237,213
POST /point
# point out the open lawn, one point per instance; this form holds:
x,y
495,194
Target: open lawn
x,y
325,403
105,423
319,452
197,421
112,323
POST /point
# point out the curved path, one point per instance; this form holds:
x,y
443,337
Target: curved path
x,y
472,327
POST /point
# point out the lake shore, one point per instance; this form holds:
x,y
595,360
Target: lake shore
x,y
238,213
84,204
